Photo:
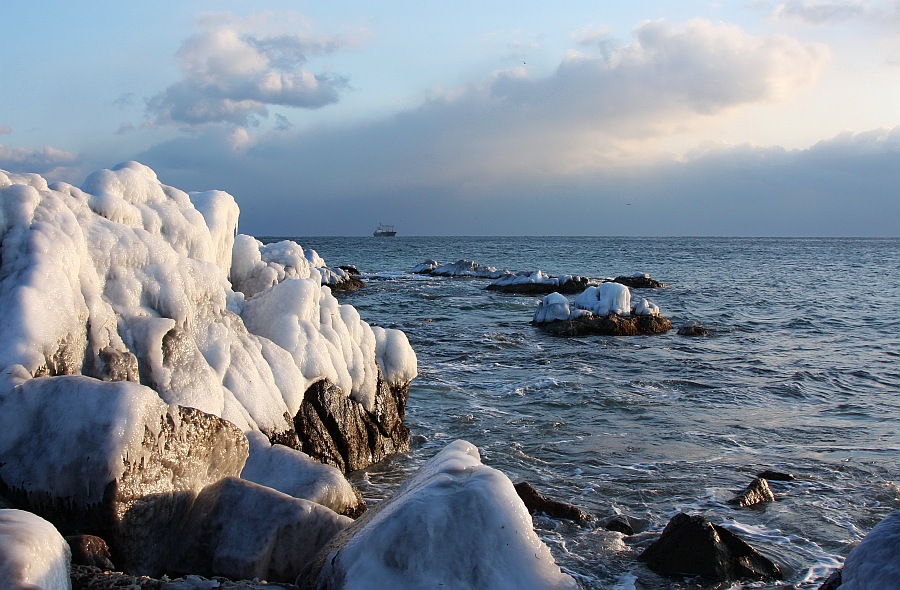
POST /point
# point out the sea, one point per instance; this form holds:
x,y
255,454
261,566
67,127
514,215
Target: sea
x,y
800,373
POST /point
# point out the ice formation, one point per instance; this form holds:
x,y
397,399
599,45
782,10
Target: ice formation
x,y
454,524
127,266
874,564
469,268
645,307
552,307
605,299
33,555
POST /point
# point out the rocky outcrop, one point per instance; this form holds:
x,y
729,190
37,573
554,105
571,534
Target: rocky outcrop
x,y
608,325
529,285
241,530
338,430
537,502
691,545
90,550
758,492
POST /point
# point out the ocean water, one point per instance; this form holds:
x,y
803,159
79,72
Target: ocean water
x,y
801,373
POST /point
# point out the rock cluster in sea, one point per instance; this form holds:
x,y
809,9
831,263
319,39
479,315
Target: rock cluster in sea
x,y
181,400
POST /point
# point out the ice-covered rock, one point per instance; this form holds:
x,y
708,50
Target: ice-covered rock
x,y
242,530
875,562
645,307
454,524
638,280
538,282
296,474
111,459
553,307
469,268
424,268
605,299
33,555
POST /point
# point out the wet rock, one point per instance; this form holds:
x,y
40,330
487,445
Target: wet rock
x,y
537,502
90,550
86,577
626,525
638,282
758,492
833,582
567,285
242,530
337,430
776,475
608,325
691,545
693,330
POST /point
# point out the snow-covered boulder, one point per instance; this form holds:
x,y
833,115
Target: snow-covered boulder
x,y
553,307
454,524
296,474
33,555
645,307
425,268
603,310
111,459
875,562
242,530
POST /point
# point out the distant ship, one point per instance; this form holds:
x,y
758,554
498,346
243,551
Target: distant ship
x,y
384,231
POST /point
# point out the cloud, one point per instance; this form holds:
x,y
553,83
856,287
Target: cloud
x,y
49,161
819,12
5,130
231,77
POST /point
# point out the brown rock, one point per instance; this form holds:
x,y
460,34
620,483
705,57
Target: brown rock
x,y
537,502
90,550
608,325
758,492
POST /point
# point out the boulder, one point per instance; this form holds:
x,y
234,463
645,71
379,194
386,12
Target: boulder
x,y
454,524
90,550
758,492
776,475
111,459
638,281
338,430
33,555
627,525
691,545
537,502
241,530
537,283
874,564
607,325
693,330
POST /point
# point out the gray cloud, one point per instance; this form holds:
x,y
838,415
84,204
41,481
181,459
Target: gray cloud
x,y
49,161
5,130
231,77
564,154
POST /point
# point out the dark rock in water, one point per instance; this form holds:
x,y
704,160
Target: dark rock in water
x,y
337,430
638,282
608,325
693,330
626,525
537,502
566,286
758,492
242,530
833,582
776,475
691,545
349,269
85,577
349,283
90,550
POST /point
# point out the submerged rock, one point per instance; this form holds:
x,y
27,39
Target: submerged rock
x,y
627,525
776,475
339,431
693,330
758,492
454,524
638,281
537,502
608,325
691,545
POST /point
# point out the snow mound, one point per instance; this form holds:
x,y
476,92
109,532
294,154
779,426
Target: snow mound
x,y
33,555
454,524
605,299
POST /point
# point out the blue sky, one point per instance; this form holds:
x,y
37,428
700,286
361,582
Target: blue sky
x,y
754,118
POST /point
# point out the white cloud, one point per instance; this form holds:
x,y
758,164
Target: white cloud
x,y
5,129
818,12
49,161
232,76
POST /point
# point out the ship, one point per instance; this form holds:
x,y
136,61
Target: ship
x,y
384,231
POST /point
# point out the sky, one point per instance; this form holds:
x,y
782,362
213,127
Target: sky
x,y
646,118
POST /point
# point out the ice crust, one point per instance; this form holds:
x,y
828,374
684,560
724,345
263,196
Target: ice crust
x,y
454,524
874,564
33,555
605,299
